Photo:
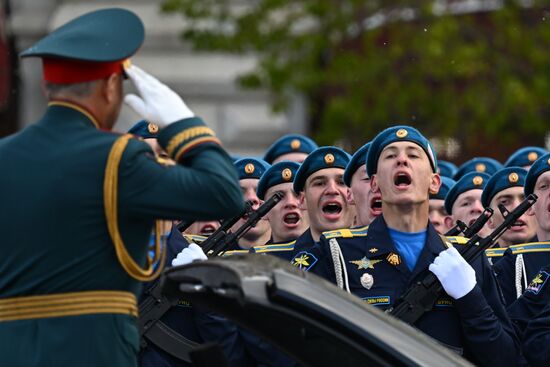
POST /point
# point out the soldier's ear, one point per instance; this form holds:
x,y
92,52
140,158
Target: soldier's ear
x,y
349,197
302,199
374,184
449,223
435,183
112,88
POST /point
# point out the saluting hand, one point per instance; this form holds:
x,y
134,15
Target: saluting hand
x,y
455,274
191,253
158,103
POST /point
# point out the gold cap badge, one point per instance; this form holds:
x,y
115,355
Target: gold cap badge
x,y
393,259
152,128
329,159
532,156
480,167
548,161
249,168
401,133
513,177
295,144
286,174
478,180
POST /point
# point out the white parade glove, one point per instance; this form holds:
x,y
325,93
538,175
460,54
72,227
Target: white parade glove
x,y
455,274
191,253
158,103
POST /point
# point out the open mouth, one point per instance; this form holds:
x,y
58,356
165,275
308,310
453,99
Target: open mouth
x,y
291,219
376,205
207,230
332,208
402,180
518,225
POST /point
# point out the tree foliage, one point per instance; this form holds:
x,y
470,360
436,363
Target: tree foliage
x,y
482,77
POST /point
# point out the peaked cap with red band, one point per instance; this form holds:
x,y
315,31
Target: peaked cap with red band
x,y
90,47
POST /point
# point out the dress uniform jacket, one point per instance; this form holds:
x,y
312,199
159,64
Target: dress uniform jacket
x,y
518,266
53,183
475,325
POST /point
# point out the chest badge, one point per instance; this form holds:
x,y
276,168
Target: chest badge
x,y
367,280
373,250
365,263
393,259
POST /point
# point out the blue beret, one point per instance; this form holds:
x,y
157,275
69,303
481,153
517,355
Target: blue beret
x,y
525,156
447,169
538,168
479,164
293,143
357,160
396,134
144,129
446,184
279,173
502,180
99,36
321,158
470,181
250,168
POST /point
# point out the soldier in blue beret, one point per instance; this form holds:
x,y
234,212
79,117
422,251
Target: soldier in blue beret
x,y
479,164
525,157
320,183
94,196
368,203
520,263
249,171
463,201
438,215
288,219
378,264
505,187
293,147
447,169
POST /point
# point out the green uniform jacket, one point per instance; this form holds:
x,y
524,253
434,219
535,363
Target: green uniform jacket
x,y
54,231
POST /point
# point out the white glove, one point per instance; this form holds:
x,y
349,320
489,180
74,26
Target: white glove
x,y
455,274
158,103
191,253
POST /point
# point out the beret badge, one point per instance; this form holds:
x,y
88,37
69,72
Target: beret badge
x,y
478,180
295,144
329,159
513,177
249,168
401,133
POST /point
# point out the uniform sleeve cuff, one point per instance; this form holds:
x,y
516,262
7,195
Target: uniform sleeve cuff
x,y
472,304
182,137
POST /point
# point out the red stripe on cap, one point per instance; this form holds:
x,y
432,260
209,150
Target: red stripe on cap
x,y
67,71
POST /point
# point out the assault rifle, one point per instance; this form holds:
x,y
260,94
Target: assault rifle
x,y
468,232
423,294
160,297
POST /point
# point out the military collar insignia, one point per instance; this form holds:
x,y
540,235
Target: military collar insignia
x,y
304,260
373,250
367,281
538,282
365,263
393,259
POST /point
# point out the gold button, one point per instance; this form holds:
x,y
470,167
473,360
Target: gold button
x,y
513,177
478,180
329,159
249,168
295,144
532,156
401,133
480,167
286,174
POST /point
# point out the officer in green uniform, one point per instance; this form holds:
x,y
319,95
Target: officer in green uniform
x,y
68,287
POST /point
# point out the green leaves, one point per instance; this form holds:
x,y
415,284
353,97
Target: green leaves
x,y
485,74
